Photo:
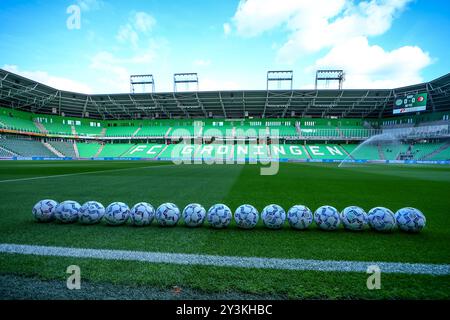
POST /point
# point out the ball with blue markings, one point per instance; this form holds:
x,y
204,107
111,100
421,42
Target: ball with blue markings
x,y
219,216
91,212
300,217
142,214
167,215
327,218
273,216
410,219
246,216
44,210
67,211
194,215
354,218
117,213
382,219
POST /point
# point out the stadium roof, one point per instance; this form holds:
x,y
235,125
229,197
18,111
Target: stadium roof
x,y
24,94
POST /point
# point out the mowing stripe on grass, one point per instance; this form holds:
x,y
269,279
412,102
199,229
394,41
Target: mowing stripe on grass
x,y
224,261
84,173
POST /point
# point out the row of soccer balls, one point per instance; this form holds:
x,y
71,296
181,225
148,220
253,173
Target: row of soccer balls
x,y
219,216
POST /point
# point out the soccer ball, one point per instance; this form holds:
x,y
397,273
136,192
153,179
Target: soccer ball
x,y
327,218
194,215
167,215
410,219
273,216
44,210
91,212
354,218
246,216
67,211
299,217
117,213
219,216
142,214
381,219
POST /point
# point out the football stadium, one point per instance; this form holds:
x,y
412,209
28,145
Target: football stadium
x,y
270,193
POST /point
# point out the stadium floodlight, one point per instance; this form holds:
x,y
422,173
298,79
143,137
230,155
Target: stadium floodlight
x,y
140,81
187,79
279,77
330,75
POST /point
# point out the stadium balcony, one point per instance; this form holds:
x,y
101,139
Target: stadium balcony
x,y
19,124
25,147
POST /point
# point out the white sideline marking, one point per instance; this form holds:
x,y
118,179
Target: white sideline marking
x,y
224,261
83,173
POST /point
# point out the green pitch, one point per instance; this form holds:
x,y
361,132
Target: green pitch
x,y
22,184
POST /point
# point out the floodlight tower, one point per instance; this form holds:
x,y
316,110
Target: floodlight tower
x,y
187,79
140,81
276,100
280,77
330,75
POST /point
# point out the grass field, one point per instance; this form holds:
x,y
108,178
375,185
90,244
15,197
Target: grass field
x,y
425,187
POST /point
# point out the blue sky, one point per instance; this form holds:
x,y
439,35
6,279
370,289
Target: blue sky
x,y
230,44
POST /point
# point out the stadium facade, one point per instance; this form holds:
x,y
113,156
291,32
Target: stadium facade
x,y
297,125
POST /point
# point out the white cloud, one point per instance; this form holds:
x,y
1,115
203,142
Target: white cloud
x,y
128,34
323,31
112,70
56,82
202,63
139,23
343,27
90,5
226,28
369,66
143,22
314,25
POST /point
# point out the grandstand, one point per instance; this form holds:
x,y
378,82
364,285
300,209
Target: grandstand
x,y
330,125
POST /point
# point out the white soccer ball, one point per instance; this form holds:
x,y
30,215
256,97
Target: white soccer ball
x,y
194,215
167,215
300,217
117,213
44,210
327,218
142,214
91,212
354,218
67,211
246,216
273,216
382,219
410,219
219,216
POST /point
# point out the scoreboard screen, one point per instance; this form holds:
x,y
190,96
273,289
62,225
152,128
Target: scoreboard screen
x,y
410,103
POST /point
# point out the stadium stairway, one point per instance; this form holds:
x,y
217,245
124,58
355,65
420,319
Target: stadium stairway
x,y
103,133
75,148
40,127
65,148
307,152
437,151
53,150
6,153
102,146
136,132
166,135
380,152
347,153
298,129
